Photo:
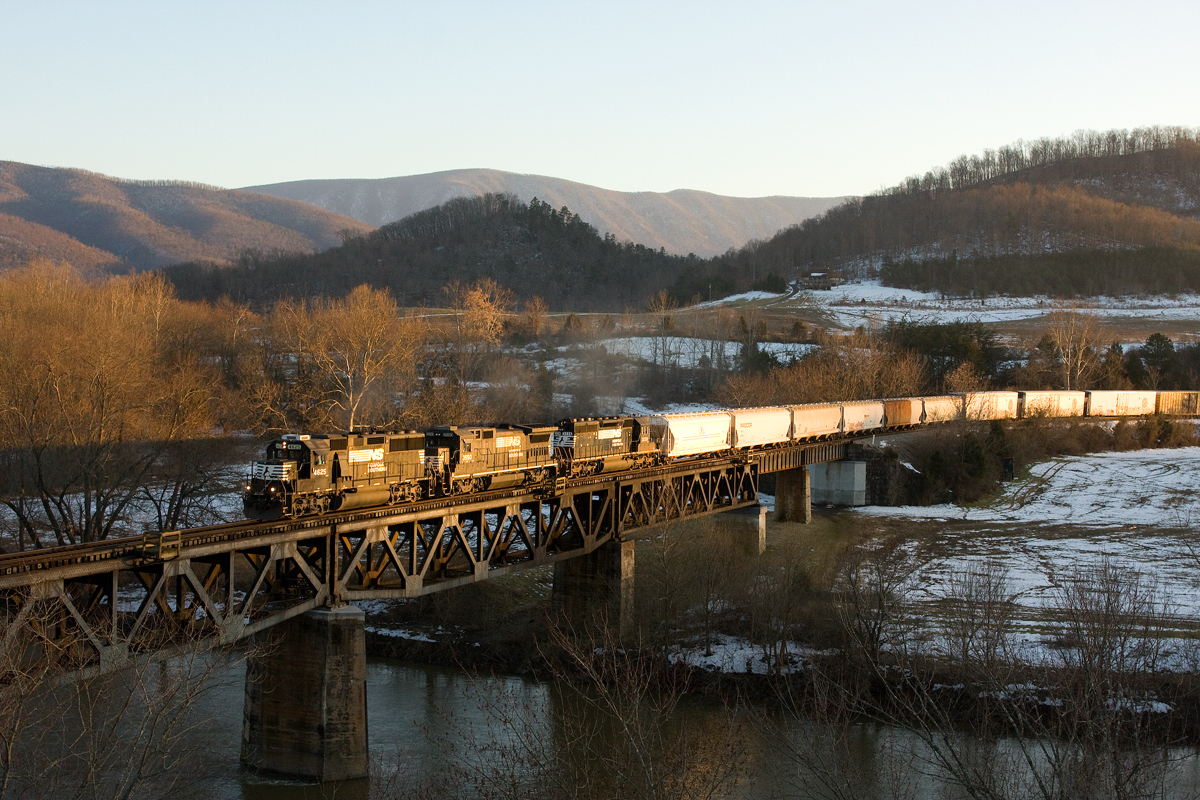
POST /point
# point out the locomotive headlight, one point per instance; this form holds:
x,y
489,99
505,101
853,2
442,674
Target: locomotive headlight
x,y
247,487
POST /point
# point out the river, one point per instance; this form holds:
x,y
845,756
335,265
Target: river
x,y
422,718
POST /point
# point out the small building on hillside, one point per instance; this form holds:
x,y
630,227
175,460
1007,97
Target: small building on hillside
x,y
821,280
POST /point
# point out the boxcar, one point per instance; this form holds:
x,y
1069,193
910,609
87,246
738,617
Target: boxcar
x,y
816,420
1120,403
944,408
990,405
1178,403
758,427
1052,403
864,415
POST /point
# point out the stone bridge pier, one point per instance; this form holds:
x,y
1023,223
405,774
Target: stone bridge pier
x,y
793,495
306,697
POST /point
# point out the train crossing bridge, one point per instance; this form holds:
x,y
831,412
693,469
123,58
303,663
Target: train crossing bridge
x,y
96,607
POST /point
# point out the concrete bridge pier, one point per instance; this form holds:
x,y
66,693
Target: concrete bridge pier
x,y
306,698
793,495
596,590
753,531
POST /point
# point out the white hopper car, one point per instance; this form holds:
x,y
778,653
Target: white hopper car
x,y
708,432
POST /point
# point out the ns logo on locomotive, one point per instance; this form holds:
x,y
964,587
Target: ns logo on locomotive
x,y
305,474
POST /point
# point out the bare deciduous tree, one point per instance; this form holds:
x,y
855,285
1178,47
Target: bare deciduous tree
x,y
610,725
351,349
1074,332
100,379
535,315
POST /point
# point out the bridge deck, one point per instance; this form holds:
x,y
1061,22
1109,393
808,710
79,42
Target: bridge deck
x,y
96,604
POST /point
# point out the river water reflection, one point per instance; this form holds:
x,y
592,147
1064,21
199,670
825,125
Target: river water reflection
x,y
415,710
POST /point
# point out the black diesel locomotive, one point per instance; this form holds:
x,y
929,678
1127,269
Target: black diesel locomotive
x,y
316,474
313,474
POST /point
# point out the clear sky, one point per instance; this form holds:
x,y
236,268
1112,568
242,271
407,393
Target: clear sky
x,y
739,98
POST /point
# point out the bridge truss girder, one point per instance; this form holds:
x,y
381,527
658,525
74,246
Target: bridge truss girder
x,y
101,620
420,553
96,616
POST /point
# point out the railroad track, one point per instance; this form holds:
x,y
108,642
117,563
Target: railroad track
x,y
129,549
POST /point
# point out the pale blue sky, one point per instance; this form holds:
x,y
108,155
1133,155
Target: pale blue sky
x,y
739,98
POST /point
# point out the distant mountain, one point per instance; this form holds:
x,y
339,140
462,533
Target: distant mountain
x,y
683,221
1098,213
100,223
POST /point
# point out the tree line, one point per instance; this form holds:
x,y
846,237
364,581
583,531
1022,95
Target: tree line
x,y
1173,150
1083,272
119,399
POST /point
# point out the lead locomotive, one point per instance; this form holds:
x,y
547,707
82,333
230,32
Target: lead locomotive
x,y
314,474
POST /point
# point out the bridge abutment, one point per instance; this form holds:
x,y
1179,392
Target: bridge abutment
x,y
793,495
840,483
306,698
594,591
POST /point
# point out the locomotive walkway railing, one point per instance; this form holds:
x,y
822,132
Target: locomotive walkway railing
x,y
95,606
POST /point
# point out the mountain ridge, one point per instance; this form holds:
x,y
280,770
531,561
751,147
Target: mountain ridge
x,y
101,223
680,221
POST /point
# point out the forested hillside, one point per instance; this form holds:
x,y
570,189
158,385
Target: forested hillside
x,y
1112,212
682,221
531,249
100,223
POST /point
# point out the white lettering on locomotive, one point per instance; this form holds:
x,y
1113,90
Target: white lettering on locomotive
x,y
507,441
614,433
357,456
274,472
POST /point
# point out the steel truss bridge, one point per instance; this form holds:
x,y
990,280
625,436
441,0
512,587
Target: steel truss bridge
x,y
91,608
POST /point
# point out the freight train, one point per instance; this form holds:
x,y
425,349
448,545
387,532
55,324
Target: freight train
x,y
307,474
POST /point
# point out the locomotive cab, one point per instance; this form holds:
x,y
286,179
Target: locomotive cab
x,y
296,466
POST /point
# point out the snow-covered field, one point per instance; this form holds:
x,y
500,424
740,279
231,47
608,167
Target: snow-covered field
x,y
1137,510
1159,488
742,299
854,304
687,352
